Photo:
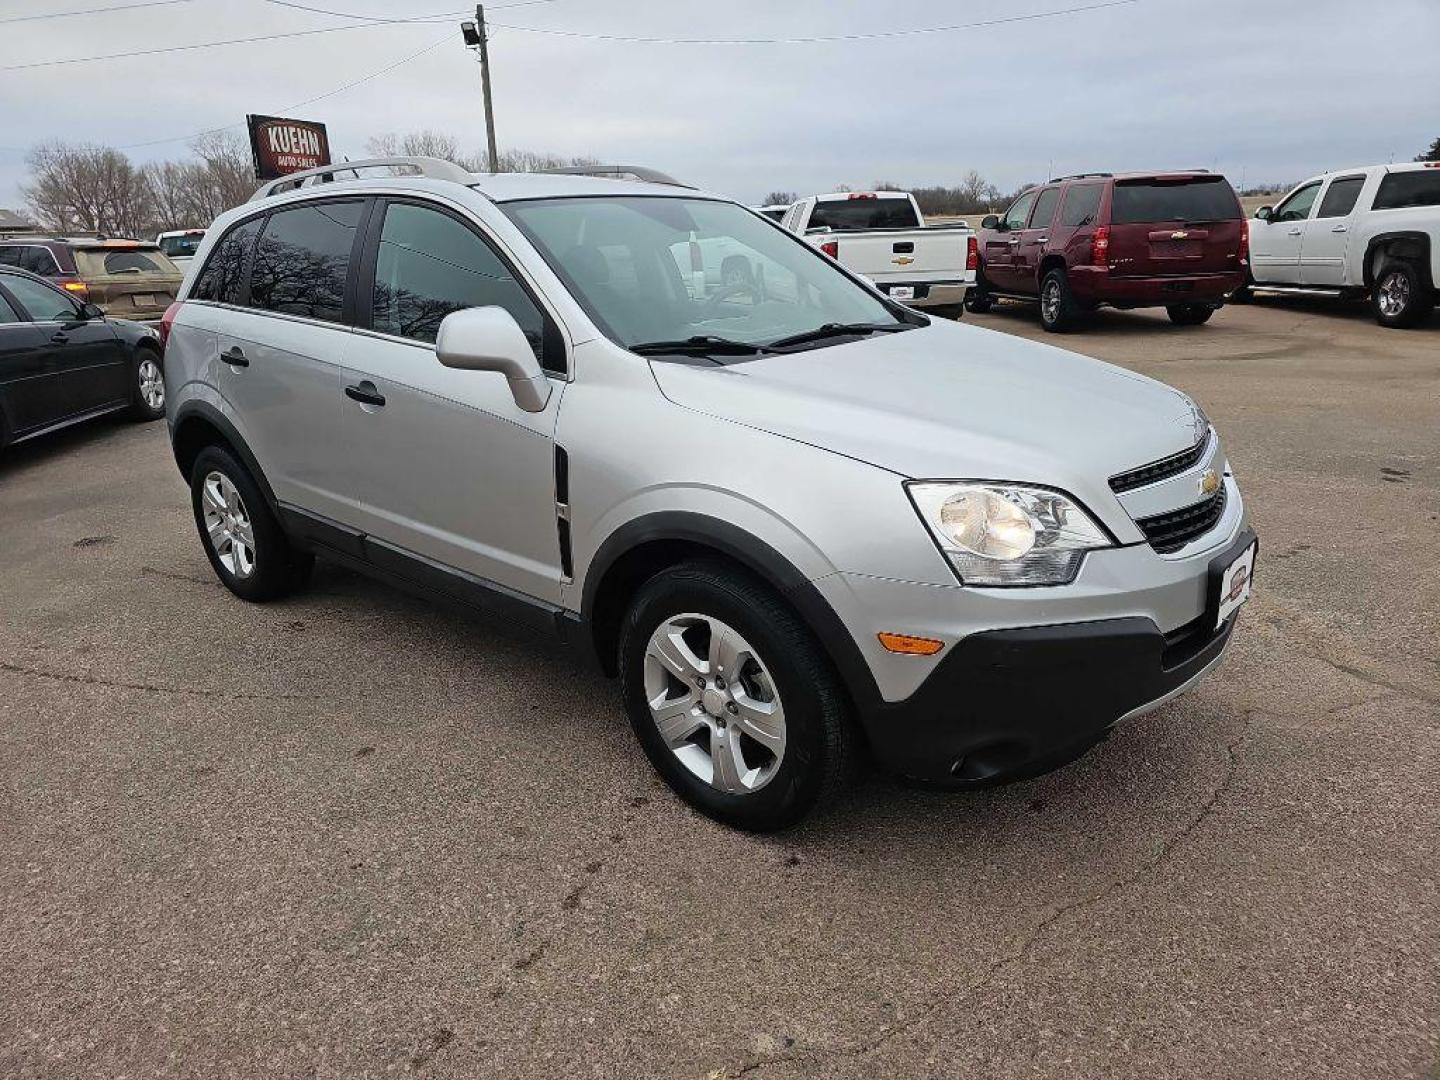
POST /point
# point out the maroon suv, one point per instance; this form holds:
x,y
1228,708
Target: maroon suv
x,y
1172,240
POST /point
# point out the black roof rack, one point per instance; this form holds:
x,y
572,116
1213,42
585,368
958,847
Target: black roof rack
x,y
1081,176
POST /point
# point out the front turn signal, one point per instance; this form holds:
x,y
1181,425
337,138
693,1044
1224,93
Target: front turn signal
x,y
907,645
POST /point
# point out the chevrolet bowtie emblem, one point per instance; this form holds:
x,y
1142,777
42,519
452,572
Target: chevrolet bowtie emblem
x,y
1210,482
903,260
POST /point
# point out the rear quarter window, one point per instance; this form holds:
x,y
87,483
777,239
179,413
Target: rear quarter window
x,y
1418,187
1135,202
125,262
223,280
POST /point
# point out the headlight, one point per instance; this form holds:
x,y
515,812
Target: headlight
x,y
1007,534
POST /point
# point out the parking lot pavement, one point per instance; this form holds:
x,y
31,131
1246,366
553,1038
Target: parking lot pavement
x,y
351,835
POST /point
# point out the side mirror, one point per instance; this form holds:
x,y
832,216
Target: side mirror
x,y
990,221
91,312
489,339
1264,213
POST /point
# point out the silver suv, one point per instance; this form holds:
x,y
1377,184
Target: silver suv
x,y
800,523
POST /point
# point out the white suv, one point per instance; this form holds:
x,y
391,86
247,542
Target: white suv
x,y
799,521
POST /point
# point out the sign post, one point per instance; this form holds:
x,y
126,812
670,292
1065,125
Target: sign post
x,y
282,146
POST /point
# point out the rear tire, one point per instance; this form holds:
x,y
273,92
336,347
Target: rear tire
x,y
1189,314
673,670
247,549
1245,293
978,298
147,381
1059,310
1399,296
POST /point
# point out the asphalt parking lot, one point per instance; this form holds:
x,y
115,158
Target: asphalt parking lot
x,y
353,835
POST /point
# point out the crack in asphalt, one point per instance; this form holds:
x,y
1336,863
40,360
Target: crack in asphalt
x,y
149,688
854,1050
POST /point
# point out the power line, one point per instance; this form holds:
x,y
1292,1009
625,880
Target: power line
x,y
819,39
409,19
92,11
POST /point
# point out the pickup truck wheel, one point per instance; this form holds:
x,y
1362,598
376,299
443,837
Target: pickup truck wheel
x,y
1245,293
242,539
1059,311
1399,297
1189,314
732,699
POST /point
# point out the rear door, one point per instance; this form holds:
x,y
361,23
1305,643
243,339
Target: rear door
x,y
1000,243
1074,226
29,387
1275,244
281,348
1034,239
89,360
1163,226
1327,233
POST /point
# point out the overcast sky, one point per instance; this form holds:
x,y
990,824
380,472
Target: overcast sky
x,y
1260,90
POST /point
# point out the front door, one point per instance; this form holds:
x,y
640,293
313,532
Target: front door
x,y
1327,234
90,361
1000,245
446,466
1275,244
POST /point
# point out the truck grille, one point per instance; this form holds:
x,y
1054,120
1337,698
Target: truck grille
x,y
1163,469
1171,531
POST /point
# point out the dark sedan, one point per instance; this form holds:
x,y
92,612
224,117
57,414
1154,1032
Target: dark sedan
x,y
63,361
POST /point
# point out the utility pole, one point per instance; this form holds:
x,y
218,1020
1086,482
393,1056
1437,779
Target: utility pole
x,y
476,38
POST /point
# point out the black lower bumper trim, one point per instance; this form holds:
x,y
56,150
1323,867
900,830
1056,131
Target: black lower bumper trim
x,y
1008,704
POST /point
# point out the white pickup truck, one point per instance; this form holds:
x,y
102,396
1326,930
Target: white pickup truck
x,y
881,235
1374,229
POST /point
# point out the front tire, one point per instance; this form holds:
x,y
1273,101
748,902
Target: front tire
x,y
244,542
1399,297
1059,310
1189,314
978,298
148,385
732,699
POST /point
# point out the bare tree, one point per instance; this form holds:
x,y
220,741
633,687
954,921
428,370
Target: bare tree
x,y
424,143
86,188
780,198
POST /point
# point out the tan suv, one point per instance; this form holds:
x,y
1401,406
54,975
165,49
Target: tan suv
x,y
126,279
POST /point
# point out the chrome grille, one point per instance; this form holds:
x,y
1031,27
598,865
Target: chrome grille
x,y
1174,529
1163,469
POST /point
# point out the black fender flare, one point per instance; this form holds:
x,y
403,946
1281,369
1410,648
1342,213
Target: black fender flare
x,y
760,559
1420,239
194,410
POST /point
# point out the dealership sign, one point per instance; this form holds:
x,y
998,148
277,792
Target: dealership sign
x,y
285,146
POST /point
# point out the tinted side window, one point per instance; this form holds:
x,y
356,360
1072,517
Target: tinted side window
x,y
1340,197
223,279
430,265
1045,208
1082,203
7,313
1419,187
37,260
43,303
302,260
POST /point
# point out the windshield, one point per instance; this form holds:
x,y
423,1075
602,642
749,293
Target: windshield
x,y
1206,199
181,245
657,269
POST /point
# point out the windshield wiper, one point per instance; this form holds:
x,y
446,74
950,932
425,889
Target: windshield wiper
x,y
834,329
699,345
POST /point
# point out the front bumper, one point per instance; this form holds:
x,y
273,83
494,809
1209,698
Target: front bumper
x,y
1009,703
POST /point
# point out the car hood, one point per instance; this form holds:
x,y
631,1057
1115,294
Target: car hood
x,y
950,401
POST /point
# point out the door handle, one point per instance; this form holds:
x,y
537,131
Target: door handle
x,y
365,393
1340,228
1042,240
235,357
1296,232
1015,242
59,337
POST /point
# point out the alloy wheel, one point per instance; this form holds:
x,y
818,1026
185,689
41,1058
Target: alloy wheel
x,y
228,525
152,384
715,703
1050,301
1393,294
